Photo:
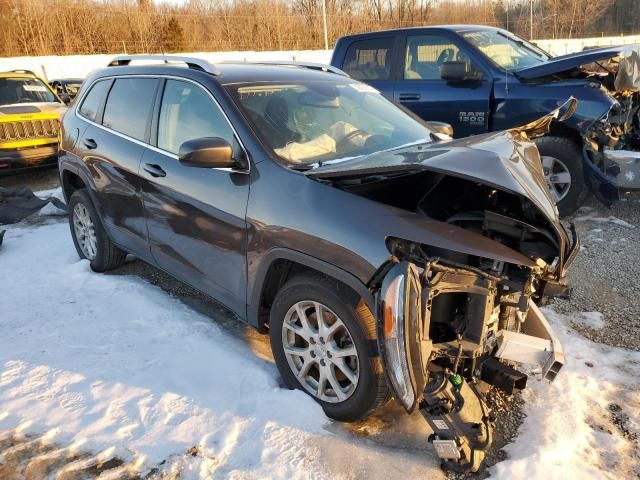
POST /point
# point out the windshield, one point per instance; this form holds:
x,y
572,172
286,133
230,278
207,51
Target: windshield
x,y
24,90
505,49
322,121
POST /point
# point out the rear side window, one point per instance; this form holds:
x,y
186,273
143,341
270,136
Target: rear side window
x,y
369,59
92,102
128,106
188,112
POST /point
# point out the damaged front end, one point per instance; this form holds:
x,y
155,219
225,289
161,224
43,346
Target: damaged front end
x,y
612,143
449,331
475,244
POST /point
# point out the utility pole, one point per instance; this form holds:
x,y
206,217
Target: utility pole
x,y
530,19
324,21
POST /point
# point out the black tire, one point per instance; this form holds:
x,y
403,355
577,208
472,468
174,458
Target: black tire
x,y
569,153
108,256
371,390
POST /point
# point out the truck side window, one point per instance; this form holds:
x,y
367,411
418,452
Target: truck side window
x,y
425,54
369,59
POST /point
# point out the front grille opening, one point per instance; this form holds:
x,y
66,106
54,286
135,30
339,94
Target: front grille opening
x,y
28,129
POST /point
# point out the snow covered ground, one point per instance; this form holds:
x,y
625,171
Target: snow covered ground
x,y
114,365
110,361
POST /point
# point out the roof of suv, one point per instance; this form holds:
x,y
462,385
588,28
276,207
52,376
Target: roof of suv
x,y
229,73
242,72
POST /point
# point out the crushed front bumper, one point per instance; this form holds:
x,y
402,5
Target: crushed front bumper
x,y
624,168
620,172
449,396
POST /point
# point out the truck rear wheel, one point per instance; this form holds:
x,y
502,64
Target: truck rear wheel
x,y
562,165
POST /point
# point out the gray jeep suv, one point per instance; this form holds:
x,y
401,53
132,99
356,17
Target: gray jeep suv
x,y
382,257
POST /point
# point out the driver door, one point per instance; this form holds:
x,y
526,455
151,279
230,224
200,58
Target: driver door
x,y
464,105
196,216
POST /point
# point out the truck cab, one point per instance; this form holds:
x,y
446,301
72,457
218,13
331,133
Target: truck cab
x,y
481,79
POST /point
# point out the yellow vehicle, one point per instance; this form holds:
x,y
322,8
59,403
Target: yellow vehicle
x,y
29,122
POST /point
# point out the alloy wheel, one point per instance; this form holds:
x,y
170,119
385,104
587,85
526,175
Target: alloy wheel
x,y
85,231
557,176
320,351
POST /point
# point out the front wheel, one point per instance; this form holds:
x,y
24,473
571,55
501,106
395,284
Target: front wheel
x,y
321,343
563,171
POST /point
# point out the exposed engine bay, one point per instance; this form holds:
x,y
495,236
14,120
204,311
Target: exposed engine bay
x,y
468,318
452,325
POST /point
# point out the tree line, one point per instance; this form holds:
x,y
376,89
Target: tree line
x,y
66,27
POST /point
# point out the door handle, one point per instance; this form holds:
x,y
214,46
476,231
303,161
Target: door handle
x,y
409,96
154,170
90,143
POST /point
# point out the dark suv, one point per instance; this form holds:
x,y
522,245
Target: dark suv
x,y
383,258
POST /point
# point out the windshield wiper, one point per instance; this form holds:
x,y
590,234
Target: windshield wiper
x,y
300,167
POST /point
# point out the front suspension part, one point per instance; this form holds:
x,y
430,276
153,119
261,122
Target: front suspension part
x,y
460,419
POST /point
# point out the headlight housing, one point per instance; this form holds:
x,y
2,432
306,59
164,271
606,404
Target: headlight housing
x,y
400,335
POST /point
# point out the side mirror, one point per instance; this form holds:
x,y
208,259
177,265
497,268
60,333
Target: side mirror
x,y
65,98
207,152
457,71
440,127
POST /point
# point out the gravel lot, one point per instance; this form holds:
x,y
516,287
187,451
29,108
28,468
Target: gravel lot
x,y
605,277
606,274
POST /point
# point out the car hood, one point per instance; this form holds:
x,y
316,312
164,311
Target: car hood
x,y
506,160
573,61
51,109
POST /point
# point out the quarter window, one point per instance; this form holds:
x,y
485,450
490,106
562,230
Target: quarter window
x,y
425,54
129,106
369,59
93,100
188,112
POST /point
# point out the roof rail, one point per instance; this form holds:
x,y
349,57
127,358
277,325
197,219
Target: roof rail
x,y
27,72
313,66
193,63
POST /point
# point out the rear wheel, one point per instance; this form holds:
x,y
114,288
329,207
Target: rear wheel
x,y
562,166
321,340
89,237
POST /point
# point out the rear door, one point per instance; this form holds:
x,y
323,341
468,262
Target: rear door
x,y
195,216
464,105
112,147
373,61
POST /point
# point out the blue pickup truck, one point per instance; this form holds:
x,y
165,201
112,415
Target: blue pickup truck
x,y
479,79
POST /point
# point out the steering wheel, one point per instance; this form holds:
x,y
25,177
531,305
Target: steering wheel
x,y
343,142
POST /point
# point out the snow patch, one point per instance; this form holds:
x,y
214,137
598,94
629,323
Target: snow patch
x,y
50,209
594,320
610,219
112,362
570,430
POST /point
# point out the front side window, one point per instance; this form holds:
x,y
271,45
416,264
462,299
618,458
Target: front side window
x,y
93,100
187,112
425,54
128,106
369,59
321,121
505,49
24,90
